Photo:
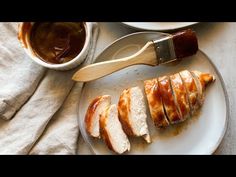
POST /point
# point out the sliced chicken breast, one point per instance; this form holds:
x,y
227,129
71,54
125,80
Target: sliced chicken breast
x,y
112,132
155,103
96,107
176,97
132,113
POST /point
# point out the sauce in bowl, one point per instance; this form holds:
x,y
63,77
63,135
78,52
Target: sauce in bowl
x,y
57,42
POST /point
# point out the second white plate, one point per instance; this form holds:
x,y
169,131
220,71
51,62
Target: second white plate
x,y
198,135
159,26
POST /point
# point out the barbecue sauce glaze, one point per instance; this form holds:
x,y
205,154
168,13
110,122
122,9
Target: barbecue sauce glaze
x,y
57,42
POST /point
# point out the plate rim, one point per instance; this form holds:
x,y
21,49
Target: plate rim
x,y
157,29
214,148
226,101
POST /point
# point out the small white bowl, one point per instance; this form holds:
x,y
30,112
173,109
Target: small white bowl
x,y
24,37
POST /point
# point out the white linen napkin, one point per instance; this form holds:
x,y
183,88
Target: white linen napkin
x,y
19,75
26,130
61,134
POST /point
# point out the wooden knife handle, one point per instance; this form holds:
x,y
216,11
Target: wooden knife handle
x,y
146,56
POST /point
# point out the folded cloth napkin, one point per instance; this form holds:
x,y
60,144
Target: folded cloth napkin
x,y
47,122
19,75
61,134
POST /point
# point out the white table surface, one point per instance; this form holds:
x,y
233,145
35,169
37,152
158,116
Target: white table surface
x,y
218,41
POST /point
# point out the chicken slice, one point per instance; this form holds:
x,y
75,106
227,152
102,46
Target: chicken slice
x,y
132,113
96,107
202,80
191,89
180,95
112,132
155,104
170,107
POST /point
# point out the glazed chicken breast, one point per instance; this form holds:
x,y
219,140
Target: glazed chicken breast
x,y
174,98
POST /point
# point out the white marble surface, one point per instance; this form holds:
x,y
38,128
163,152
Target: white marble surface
x,y
218,41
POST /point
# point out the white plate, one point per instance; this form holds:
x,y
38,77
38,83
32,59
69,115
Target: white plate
x,y
198,135
159,26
